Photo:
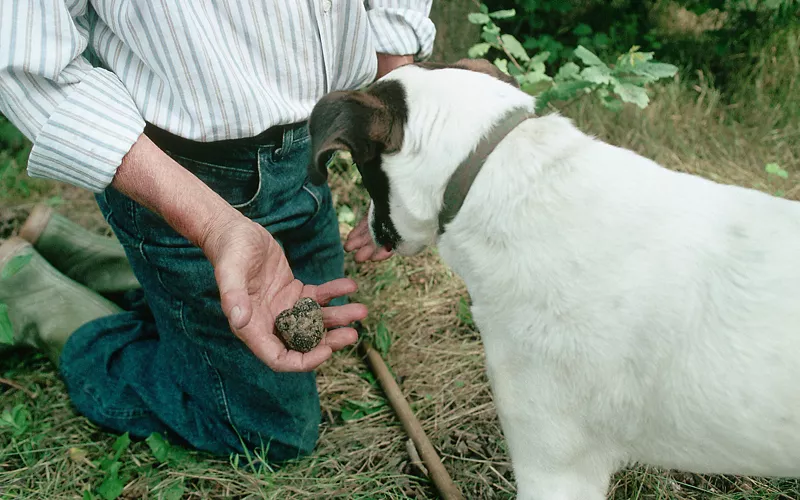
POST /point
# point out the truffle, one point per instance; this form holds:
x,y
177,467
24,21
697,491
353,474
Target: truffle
x,y
301,327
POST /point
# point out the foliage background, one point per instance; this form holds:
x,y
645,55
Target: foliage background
x,y
729,113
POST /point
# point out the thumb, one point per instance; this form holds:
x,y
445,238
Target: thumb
x,y
236,304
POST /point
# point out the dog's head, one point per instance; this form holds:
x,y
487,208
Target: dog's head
x,y
406,134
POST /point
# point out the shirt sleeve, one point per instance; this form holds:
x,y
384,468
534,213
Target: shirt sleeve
x,y
402,27
81,120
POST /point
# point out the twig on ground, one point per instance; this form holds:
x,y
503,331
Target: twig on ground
x,y
416,461
15,385
444,483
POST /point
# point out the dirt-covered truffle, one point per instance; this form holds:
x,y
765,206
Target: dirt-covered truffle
x,y
301,327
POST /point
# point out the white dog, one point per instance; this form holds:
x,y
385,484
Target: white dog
x,y
629,313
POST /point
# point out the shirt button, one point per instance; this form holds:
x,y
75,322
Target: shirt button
x,y
326,6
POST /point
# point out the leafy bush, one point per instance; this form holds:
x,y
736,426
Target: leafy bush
x,y
719,45
614,84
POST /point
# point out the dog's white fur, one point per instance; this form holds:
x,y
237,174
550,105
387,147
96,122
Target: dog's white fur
x,y
629,313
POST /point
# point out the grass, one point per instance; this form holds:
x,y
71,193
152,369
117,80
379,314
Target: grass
x,y
421,320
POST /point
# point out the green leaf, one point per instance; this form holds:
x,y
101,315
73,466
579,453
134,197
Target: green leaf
x,y
540,57
383,339
514,47
368,376
346,215
159,446
491,28
478,18
597,74
173,492
775,169
536,77
54,201
653,70
111,464
569,71
582,30
121,444
17,419
601,40
354,410
587,56
491,38
465,313
637,80
6,329
15,264
503,14
502,64
612,103
536,63
478,50
561,92
87,495
111,487
632,93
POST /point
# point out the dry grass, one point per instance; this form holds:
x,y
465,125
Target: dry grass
x,y
435,353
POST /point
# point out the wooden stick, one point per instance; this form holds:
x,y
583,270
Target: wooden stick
x,y
444,483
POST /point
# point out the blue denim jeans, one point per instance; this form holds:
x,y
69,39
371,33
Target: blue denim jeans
x,y
171,364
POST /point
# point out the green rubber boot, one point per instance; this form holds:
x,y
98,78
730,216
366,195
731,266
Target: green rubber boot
x,y
94,261
42,306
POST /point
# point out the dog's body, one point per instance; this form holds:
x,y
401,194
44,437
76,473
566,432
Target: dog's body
x,y
629,313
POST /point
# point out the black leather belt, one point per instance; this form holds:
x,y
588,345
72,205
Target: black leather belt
x,y
207,151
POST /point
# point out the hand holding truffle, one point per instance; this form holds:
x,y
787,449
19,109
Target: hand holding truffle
x,y
256,285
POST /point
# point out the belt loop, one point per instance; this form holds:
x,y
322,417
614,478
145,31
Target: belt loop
x,y
287,140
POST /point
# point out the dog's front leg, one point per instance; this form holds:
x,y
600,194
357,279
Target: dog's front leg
x,y
563,483
552,461
553,453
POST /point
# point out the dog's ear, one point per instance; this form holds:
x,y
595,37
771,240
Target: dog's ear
x,y
364,123
479,65
486,66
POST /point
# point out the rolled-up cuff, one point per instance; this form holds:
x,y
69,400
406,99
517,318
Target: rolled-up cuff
x,y
84,140
402,32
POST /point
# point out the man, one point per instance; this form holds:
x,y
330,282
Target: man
x,y
211,203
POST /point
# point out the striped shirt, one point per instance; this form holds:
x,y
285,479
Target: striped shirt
x,y
80,78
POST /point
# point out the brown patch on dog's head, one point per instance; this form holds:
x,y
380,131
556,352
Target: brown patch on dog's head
x,y
368,124
478,65
365,123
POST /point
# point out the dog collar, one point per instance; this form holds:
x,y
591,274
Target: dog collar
x,y
460,182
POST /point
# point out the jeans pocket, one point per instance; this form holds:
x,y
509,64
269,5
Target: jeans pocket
x,y
317,194
239,184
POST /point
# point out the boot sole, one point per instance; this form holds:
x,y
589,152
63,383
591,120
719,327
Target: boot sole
x,y
10,248
36,223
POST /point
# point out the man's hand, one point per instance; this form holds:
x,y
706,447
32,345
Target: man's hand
x,y
388,62
360,241
256,284
252,272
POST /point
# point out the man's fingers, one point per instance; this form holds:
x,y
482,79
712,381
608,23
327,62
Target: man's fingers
x,y
334,317
356,241
364,253
235,300
272,351
340,338
325,292
381,254
358,237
